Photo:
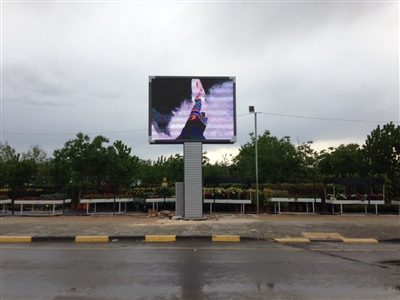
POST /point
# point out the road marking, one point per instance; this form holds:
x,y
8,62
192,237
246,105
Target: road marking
x,y
160,238
225,238
91,239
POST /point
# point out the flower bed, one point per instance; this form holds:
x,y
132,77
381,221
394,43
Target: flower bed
x,y
39,198
106,196
4,197
357,196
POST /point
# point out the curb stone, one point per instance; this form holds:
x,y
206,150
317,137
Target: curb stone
x,y
173,238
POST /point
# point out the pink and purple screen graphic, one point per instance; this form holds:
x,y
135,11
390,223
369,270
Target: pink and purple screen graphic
x,y
192,109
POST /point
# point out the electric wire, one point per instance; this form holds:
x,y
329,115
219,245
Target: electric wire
x,y
265,113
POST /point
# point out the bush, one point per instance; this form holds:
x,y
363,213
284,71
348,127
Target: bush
x,y
233,193
161,191
3,197
280,194
244,195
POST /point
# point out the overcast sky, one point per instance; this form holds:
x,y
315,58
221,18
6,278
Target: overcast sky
x,y
70,67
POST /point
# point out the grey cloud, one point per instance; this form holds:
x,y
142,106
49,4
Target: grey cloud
x,y
71,67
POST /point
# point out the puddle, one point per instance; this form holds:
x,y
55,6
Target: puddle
x,y
395,262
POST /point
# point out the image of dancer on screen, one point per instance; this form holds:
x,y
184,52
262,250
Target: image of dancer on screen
x,y
197,121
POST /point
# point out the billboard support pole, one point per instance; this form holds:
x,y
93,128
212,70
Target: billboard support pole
x,y
193,184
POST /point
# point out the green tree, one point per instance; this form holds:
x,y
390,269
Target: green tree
x,y
221,168
84,163
15,172
153,172
36,153
381,156
145,172
160,168
175,168
278,160
83,157
18,172
244,162
343,161
39,156
6,154
118,165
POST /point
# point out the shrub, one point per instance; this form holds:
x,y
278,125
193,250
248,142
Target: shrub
x,y
244,194
3,197
233,193
280,194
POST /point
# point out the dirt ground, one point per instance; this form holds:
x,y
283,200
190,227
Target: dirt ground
x,y
132,220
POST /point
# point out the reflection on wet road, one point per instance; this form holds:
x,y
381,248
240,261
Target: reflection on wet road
x,y
199,270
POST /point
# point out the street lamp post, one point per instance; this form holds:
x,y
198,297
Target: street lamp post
x,y
251,110
63,206
115,193
164,185
71,182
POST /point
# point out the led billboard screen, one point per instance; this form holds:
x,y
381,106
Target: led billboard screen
x,y
192,109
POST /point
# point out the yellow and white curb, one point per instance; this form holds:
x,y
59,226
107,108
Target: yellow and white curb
x,y
225,238
91,239
106,239
292,240
15,239
360,240
324,237
160,238
307,237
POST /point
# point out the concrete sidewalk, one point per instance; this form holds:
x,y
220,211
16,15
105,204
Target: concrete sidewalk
x,y
270,227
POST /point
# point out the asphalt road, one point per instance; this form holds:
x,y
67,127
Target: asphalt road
x,y
200,270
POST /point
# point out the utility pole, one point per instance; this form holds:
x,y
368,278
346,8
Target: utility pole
x,y
251,110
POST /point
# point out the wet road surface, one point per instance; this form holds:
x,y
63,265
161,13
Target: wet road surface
x,y
200,270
